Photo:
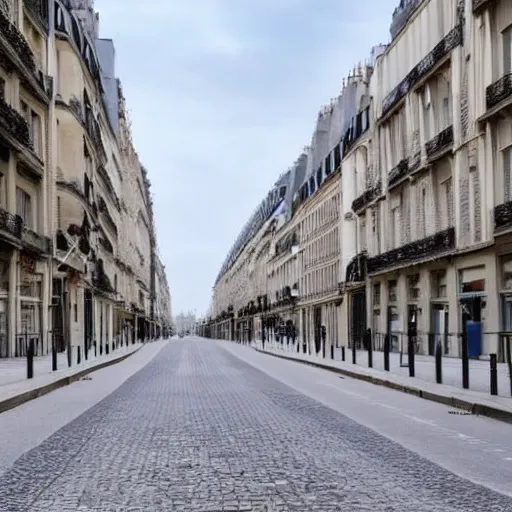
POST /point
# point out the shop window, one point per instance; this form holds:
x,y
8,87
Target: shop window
x,y
376,294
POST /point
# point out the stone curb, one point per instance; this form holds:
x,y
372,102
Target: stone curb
x,y
459,403
27,396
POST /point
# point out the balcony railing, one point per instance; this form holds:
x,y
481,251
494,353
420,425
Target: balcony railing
x,y
441,50
14,124
441,142
499,91
398,173
366,198
503,215
17,42
12,224
431,246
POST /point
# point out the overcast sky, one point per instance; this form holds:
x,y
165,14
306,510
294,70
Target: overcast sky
x,y
223,95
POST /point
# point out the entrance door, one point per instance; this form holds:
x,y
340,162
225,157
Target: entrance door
x,y
58,315
358,319
471,311
87,319
439,334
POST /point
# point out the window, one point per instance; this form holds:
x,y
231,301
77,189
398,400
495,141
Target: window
x,y
413,287
507,50
392,291
376,294
422,220
24,206
395,227
507,171
439,284
476,195
34,126
376,230
448,204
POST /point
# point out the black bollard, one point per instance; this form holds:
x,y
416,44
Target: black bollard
x,y
95,349
30,360
369,346
410,355
386,352
107,349
439,363
465,362
343,353
54,356
332,352
494,374
354,352
78,355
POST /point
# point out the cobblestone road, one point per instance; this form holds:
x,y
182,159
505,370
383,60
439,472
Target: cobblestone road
x,y
199,430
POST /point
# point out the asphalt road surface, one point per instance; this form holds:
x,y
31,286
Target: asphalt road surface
x,y
204,426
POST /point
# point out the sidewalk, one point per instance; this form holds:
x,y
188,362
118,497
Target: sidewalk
x,y
16,389
477,402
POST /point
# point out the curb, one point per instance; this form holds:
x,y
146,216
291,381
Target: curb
x,y
27,396
451,401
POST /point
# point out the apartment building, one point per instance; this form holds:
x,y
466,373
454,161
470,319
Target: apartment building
x,y
422,161
65,179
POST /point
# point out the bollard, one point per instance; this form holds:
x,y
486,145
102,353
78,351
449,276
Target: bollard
x,y
95,349
332,352
465,362
107,349
369,346
439,363
54,356
494,374
101,349
410,355
354,352
343,353
30,360
78,355
386,352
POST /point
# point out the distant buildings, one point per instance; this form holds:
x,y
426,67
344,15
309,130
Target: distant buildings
x,y
78,248
400,216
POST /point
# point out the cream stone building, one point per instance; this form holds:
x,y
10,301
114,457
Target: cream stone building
x,y
421,158
74,270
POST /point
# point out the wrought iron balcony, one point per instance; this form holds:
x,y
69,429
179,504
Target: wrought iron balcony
x,y
398,173
10,223
13,122
17,42
499,91
35,241
453,39
503,215
366,198
441,142
480,5
429,247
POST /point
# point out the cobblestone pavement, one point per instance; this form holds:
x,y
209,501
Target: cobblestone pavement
x,y
199,430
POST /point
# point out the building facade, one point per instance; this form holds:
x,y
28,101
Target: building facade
x,y
70,188
416,153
